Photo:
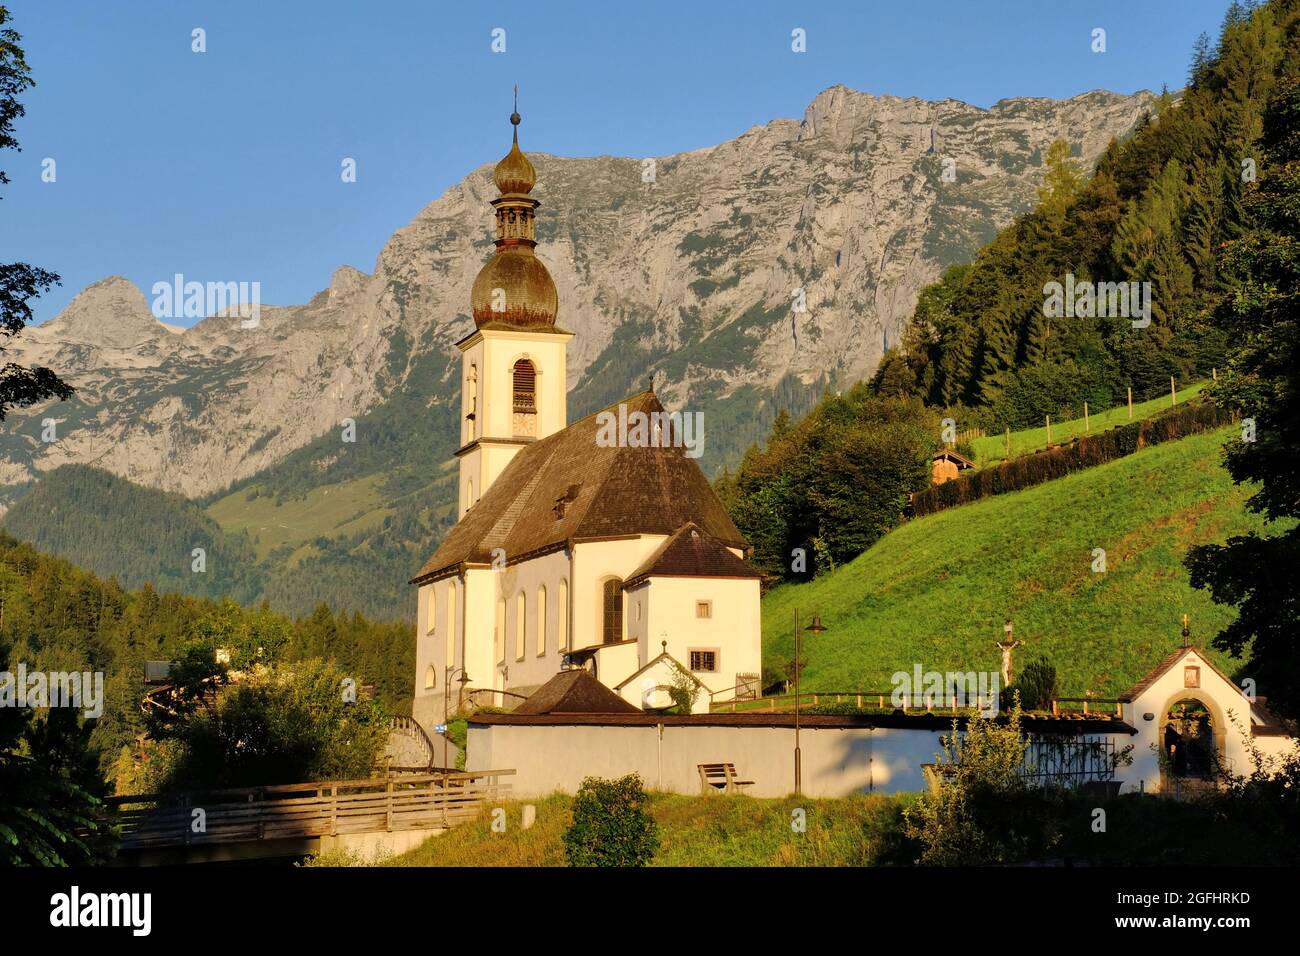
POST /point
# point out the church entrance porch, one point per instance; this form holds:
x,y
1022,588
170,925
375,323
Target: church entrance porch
x,y
1191,753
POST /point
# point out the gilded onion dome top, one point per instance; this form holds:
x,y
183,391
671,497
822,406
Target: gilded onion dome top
x,y
514,288
515,174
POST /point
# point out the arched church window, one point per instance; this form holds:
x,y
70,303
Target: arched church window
x,y
541,621
521,624
525,386
612,618
451,624
499,636
562,618
432,611
525,399
430,677
471,403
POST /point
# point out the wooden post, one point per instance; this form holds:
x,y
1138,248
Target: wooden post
x,y
1130,401
1173,392
1085,418
1008,441
1049,430
1214,374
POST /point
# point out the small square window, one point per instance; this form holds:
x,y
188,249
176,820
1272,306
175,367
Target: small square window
x,y
704,661
1191,677
704,609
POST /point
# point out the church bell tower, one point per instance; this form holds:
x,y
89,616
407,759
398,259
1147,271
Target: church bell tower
x,y
513,381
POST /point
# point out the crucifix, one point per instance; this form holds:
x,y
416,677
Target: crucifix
x,y
1006,646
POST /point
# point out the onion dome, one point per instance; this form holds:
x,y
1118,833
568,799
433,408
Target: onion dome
x,y
515,174
514,289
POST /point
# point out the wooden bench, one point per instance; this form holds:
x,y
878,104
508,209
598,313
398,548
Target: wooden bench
x,y
720,776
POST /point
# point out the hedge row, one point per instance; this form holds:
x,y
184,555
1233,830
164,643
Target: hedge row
x,y
1081,453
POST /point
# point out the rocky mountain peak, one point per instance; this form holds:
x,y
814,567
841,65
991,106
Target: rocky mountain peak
x,y
692,274
345,282
111,313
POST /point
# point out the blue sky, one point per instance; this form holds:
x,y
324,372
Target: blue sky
x,y
225,165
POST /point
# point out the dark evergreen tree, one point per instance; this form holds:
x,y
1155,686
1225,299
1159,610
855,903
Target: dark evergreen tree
x,y
1260,573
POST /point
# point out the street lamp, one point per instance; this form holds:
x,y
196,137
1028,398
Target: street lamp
x,y
446,707
816,627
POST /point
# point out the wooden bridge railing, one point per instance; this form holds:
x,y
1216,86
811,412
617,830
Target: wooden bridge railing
x,y
305,809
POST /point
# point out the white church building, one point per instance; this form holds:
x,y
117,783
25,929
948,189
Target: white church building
x,y
571,549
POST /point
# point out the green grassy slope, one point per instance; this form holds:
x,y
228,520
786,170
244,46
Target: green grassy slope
x,y
324,510
715,830
937,590
992,449
860,830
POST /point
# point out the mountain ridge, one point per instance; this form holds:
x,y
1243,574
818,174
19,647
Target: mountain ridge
x,y
690,276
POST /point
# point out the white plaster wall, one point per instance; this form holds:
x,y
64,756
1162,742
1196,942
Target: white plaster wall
x,y
593,562
617,662
1230,713
500,351
836,761
475,639
494,353
532,670
734,630
431,640
649,690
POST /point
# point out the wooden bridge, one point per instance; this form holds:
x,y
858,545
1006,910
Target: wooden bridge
x,y
301,817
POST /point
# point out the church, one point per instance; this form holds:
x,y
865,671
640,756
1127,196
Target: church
x,y
571,550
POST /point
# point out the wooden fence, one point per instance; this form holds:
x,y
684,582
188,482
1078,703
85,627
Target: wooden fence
x,y
877,700
305,809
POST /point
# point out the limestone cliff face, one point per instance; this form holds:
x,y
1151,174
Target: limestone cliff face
x,y
693,275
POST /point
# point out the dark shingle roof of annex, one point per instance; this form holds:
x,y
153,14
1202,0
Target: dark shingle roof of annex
x,y
692,553
608,492
574,692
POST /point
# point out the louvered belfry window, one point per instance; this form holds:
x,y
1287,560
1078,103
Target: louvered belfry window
x,y
525,386
613,617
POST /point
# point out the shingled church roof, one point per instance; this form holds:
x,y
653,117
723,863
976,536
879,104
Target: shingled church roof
x,y
574,692
692,553
566,487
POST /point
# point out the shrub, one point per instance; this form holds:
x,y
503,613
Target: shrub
x,y
283,724
611,825
684,690
1036,684
983,811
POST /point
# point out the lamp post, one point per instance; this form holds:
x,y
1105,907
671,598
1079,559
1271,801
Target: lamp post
x,y
446,706
815,627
